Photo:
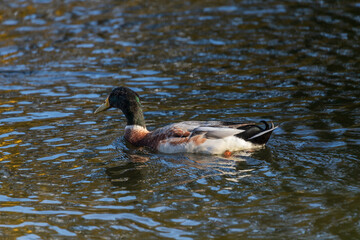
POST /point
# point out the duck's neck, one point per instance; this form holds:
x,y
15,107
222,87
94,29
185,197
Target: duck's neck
x,y
134,115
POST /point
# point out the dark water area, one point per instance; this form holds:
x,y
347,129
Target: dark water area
x,y
66,173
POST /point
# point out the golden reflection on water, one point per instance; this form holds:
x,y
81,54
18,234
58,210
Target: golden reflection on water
x,y
8,141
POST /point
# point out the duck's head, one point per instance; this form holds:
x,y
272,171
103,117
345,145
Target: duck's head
x,y
128,102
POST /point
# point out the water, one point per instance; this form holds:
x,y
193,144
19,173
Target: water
x,y
68,174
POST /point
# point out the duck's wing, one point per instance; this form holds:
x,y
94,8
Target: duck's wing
x,y
216,130
184,129
248,131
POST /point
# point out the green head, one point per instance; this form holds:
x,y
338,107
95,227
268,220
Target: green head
x,y
128,102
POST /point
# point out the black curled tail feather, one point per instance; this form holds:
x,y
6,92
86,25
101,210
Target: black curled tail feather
x,y
255,133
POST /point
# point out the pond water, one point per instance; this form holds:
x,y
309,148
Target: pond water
x,y
66,173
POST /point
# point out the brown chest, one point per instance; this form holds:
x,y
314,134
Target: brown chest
x,y
135,136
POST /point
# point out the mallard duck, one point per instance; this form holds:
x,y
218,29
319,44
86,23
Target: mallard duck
x,y
208,137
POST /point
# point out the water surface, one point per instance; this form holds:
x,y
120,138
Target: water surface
x,y
67,174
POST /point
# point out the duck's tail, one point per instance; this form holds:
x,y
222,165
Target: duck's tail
x,y
256,134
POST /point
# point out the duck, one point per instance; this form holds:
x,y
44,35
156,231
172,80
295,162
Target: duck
x,y
204,137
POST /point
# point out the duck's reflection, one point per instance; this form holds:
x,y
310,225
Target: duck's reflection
x,y
128,175
153,171
140,168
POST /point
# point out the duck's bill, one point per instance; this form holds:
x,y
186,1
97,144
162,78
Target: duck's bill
x,y
103,107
